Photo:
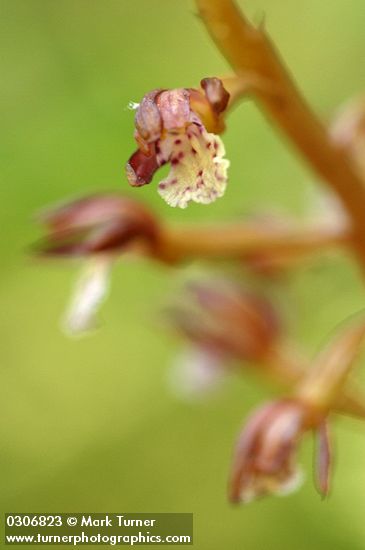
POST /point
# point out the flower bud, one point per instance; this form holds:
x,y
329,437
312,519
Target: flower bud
x,y
148,119
96,224
265,460
227,318
97,227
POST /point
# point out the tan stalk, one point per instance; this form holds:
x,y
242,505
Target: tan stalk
x,y
250,52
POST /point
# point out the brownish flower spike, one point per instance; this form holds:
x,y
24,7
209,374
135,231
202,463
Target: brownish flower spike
x,y
323,459
180,127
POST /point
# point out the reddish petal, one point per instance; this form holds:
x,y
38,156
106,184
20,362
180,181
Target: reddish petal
x,y
85,211
247,448
141,168
148,119
215,93
323,460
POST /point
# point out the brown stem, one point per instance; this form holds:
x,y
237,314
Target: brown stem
x,y
234,240
287,367
250,51
324,381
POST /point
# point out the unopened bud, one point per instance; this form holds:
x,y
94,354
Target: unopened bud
x,y
265,460
227,318
96,224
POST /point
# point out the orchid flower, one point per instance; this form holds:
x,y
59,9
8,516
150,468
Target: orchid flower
x,y
265,461
181,127
97,228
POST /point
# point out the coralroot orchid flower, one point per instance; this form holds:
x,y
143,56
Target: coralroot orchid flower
x,y
265,458
221,321
96,224
227,318
98,228
180,127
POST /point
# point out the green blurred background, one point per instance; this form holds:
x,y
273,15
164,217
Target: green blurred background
x,y
89,425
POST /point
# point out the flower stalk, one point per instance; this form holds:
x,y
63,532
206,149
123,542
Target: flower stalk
x,y
250,52
237,325
265,459
234,240
325,380
287,368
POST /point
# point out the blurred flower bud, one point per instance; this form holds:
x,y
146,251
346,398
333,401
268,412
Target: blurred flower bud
x,y
221,321
105,223
180,127
98,227
265,460
225,317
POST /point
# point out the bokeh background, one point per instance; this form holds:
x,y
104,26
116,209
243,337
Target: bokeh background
x,y
89,424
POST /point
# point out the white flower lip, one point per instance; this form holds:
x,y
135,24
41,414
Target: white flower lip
x,y
91,291
198,167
